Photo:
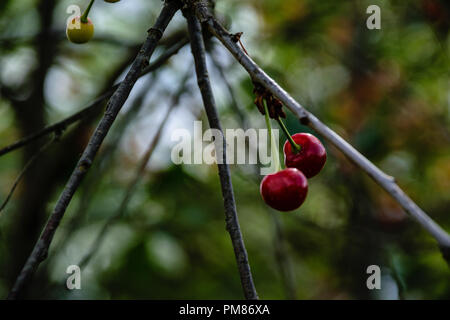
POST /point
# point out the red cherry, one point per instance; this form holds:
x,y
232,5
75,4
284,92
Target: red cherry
x,y
311,157
284,190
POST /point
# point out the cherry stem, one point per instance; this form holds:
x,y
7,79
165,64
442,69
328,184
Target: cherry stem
x,y
274,150
296,148
84,17
243,48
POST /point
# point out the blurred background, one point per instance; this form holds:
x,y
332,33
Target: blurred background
x,y
385,91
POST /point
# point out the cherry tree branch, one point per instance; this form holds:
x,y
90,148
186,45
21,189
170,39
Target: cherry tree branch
x,y
113,107
57,35
139,174
283,259
24,170
385,181
281,255
233,97
232,222
92,182
92,106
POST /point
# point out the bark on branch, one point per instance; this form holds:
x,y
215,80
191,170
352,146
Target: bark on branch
x,y
232,222
138,175
93,106
257,74
114,105
24,170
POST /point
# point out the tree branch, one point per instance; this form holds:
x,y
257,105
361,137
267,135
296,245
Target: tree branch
x,y
233,97
101,166
57,35
140,170
232,222
24,170
114,105
281,255
258,75
92,106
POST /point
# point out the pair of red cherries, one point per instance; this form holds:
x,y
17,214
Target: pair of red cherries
x,y
286,190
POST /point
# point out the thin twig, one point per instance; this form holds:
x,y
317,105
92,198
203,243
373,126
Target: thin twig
x,y
114,105
282,259
385,181
139,174
56,35
106,161
233,98
92,106
232,222
24,170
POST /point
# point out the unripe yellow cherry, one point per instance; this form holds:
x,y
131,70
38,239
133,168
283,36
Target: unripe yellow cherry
x,y
80,32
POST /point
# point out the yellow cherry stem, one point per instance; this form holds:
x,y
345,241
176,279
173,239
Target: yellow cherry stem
x,y
84,17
